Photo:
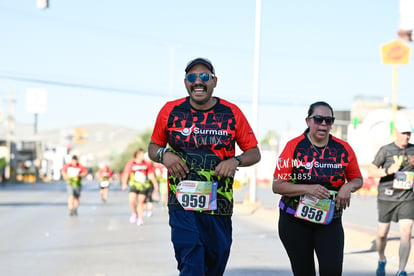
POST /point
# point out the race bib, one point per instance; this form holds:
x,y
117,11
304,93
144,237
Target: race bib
x,y
403,180
140,177
197,195
73,172
104,184
316,210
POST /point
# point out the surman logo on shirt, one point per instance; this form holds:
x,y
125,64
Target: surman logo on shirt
x,y
193,129
323,165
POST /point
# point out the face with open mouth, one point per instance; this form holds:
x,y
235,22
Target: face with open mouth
x,y
201,89
320,124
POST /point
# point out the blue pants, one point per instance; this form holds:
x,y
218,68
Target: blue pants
x,y
201,242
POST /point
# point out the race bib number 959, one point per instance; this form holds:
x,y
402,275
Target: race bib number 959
x,y
197,195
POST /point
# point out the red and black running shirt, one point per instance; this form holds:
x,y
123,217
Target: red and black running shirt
x,y
203,138
330,166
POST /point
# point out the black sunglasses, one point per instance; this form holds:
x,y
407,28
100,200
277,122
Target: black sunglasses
x,y
319,119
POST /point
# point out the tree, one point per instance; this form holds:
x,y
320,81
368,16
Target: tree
x,y
141,142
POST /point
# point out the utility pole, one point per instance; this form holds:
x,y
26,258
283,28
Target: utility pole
x,y
10,136
255,98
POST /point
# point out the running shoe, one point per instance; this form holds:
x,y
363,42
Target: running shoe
x,y
133,218
149,214
140,222
75,211
401,273
381,268
71,212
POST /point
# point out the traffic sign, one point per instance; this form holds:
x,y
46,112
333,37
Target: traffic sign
x,y
395,52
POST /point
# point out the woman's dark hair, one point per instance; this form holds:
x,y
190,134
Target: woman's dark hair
x,y
316,104
312,109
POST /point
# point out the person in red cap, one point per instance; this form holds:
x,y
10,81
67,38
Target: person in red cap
x,y
394,165
105,176
201,132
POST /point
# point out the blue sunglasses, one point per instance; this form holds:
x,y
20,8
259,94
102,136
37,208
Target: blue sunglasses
x,y
204,77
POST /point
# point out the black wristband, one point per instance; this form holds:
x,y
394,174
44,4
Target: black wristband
x,y
386,171
238,158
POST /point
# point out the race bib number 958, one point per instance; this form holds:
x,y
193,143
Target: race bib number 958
x,y
316,210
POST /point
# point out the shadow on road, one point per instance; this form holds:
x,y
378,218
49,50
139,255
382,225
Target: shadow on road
x,y
374,246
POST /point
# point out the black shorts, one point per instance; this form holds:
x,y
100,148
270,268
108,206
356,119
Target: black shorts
x,y
133,189
74,191
148,194
394,210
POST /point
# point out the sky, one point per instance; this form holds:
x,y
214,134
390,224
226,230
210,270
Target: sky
x,y
118,62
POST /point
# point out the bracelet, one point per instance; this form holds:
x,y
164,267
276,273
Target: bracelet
x,y
164,152
160,154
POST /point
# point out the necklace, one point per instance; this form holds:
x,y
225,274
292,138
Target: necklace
x,y
320,153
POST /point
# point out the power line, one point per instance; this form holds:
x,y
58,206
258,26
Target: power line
x,y
81,86
131,91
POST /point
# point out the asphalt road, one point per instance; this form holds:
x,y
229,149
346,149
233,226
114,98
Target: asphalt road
x,y
38,237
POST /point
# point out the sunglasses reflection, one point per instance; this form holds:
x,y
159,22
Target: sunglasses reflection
x,y
204,77
319,119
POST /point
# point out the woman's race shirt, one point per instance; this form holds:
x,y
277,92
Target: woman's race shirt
x,y
105,175
73,173
138,174
332,166
203,138
398,186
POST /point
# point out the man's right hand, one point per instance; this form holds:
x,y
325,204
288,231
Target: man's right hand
x,y
176,167
394,166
